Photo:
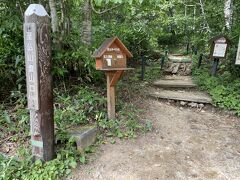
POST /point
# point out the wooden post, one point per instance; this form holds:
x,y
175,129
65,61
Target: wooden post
x,y
200,60
188,44
162,62
215,66
37,43
110,96
237,62
112,79
195,50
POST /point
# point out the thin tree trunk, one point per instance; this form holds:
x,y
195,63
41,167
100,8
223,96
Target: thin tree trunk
x,y
228,11
54,17
65,21
87,23
206,25
62,19
171,14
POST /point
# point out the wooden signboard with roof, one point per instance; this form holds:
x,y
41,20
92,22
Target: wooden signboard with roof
x,y
219,47
111,57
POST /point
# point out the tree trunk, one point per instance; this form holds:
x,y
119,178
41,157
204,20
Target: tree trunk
x,y
87,23
206,25
171,14
54,17
228,11
62,19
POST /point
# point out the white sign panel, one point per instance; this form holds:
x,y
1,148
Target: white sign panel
x,y
109,62
238,54
119,56
219,50
31,62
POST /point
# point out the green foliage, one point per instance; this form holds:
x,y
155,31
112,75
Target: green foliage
x,y
224,88
127,124
81,108
74,60
67,158
99,2
11,52
154,72
170,39
69,110
14,124
78,106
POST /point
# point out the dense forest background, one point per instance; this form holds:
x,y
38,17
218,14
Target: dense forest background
x,y
146,27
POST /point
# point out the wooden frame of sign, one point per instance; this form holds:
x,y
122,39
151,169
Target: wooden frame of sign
x,y
111,57
219,47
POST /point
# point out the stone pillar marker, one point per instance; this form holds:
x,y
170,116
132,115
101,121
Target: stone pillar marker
x,y
37,45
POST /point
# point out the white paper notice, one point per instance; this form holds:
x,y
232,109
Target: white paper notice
x,y
219,50
238,54
109,62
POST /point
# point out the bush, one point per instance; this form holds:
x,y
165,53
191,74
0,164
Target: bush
x,y
170,39
224,88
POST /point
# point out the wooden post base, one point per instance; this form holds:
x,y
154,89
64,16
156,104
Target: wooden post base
x,y
112,79
215,67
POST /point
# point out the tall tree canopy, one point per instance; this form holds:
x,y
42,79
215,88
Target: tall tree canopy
x,y
79,26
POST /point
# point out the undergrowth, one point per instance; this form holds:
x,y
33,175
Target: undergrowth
x,y
76,106
224,88
14,168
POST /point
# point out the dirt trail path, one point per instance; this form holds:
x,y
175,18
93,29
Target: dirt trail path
x,y
184,144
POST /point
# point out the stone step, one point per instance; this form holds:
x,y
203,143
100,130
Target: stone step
x,y
197,97
176,77
175,82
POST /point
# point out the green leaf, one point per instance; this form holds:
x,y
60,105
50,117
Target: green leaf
x,y
17,61
119,134
83,159
7,117
73,164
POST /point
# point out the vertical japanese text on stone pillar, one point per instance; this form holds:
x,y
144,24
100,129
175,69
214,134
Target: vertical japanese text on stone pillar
x,y
31,60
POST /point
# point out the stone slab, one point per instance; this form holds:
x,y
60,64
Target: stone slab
x,y
85,136
177,77
175,82
197,97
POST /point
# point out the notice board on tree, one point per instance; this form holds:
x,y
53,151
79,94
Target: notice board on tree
x,y
219,47
238,54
